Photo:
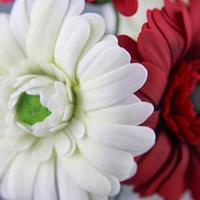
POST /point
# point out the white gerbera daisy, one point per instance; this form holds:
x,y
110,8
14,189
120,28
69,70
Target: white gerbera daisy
x,y
68,119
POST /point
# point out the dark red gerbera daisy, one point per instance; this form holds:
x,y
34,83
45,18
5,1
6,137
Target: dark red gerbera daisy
x,y
125,7
169,47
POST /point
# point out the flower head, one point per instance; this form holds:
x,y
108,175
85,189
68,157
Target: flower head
x,y
69,121
168,46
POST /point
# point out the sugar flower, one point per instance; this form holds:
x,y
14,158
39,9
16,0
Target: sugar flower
x,y
69,121
169,47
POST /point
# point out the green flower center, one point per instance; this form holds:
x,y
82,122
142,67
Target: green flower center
x,y
30,110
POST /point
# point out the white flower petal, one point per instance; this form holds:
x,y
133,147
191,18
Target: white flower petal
x,y
98,197
108,160
68,189
45,184
71,42
76,7
45,94
48,16
77,129
111,38
97,26
85,175
130,100
19,22
112,88
134,139
19,180
6,155
115,185
73,144
133,114
23,79
62,144
43,149
5,90
90,68
10,52
22,143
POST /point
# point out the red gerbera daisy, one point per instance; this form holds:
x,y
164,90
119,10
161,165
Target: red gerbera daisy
x,y
125,7
169,47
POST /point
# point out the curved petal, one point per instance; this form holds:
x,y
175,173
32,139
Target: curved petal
x,y
85,175
112,87
43,149
46,16
126,7
62,144
6,155
68,189
70,43
90,68
22,142
19,21
45,184
97,26
77,129
134,139
108,160
16,186
132,114
10,52
76,7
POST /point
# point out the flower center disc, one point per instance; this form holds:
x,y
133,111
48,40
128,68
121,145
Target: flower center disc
x,y
30,110
195,98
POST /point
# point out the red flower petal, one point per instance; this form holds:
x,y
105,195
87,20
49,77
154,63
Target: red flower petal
x,y
126,7
130,45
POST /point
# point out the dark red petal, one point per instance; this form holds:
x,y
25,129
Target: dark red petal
x,y
175,40
130,45
175,184
193,175
152,121
155,84
154,49
195,18
126,7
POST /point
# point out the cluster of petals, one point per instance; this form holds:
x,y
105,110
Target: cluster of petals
x,y
169,47
85,146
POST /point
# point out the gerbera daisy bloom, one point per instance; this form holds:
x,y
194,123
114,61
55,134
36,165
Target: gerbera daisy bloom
x,y
169,47
125,7
69,121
